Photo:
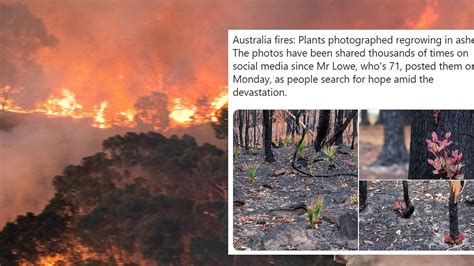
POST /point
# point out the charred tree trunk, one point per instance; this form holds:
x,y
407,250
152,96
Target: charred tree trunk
x,y
459,122
364,118
362,195
267,131
276,134
409,208
339,123
297,122
453,216
407,117
355,132
289,123
314,124
241,126
254,128
323,128
339,130
380,119
293,124
393,151
247,125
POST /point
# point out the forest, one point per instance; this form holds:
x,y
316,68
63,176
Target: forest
x,y
295,179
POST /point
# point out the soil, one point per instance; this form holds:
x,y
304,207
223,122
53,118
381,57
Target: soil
x,y
269,213
371,143
381,228
408,260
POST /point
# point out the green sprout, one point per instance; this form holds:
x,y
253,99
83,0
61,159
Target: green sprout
x,y
301,149
251,171
314,211
286,142
330,152
236,152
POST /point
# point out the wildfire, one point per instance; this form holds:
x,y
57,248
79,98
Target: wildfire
x,y
217,104
99,118
127,118
65,104
182,112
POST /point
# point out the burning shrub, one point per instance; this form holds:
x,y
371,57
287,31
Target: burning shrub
x,y
446,165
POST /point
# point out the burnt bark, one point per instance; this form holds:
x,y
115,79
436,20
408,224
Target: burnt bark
x,y
393,150
362,195
339,123
380,119
254,112
315,115
453,216
355,132
267,132
322,129
459,122
364,118
409,208
340,128
297,122
247,126
241,126
408,117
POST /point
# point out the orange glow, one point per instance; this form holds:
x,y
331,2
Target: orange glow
x,y
99,119
217,104
51,260
182,113
65,105
427,18
127,118
103,115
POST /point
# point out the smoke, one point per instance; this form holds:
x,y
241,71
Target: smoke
x,y
34,149
22,35
122,50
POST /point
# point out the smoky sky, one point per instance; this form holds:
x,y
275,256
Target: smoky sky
x,y
22,35
180,47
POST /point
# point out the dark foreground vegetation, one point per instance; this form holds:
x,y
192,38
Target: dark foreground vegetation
x,y
143,200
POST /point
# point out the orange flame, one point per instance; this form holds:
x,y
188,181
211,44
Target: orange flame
x,y
99,118
182,113
217,104
65,104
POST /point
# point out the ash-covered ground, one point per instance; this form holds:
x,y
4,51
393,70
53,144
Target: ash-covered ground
x,y
266,213
381,228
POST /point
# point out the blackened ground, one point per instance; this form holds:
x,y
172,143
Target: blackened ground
x,y
381,228
267,220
